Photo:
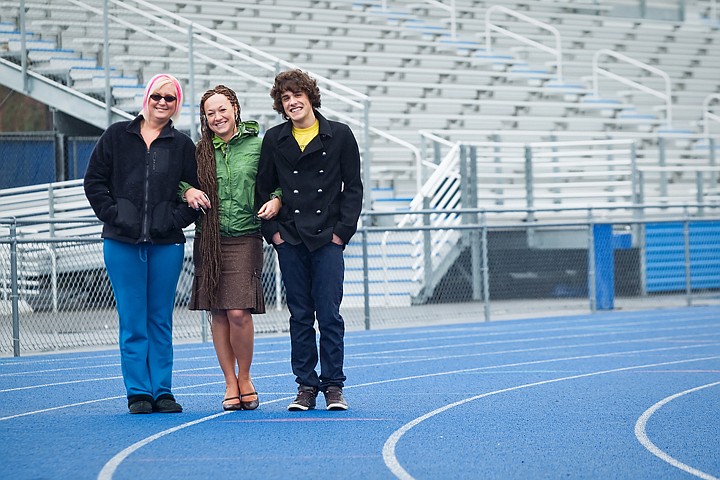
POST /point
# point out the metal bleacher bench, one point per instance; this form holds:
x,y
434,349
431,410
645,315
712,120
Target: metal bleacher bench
x,y
36,206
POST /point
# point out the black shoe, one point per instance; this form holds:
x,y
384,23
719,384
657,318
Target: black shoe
x,y
251,404
305,399
334,398
167,405
140,406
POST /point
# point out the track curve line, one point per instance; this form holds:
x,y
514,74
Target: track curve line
x,y
111,466
388,451
642,437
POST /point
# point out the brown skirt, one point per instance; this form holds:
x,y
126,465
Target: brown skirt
x,y
240,285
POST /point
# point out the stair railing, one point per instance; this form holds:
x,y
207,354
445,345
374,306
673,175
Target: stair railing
x,y
597,70
491,27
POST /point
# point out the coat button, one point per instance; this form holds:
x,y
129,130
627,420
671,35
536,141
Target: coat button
x,y
295,191
321,172
295,172
297,211
319,230
324,153
319,190
318,212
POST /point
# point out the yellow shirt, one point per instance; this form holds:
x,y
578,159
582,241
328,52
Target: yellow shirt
x,y
303,136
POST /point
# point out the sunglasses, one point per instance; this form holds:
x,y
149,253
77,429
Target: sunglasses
x,y
168,98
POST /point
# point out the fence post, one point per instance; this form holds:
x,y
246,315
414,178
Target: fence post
x,y
529,186
278,282
14,291
204,326
366,275
427,244
485,267
472,202
712,160
591,264
700,192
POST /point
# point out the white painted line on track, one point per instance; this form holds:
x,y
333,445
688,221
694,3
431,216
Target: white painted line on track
x,y
642,437
436,347
388,450
398,362
565,324
373,354
60,407
111,466
69,382
528,340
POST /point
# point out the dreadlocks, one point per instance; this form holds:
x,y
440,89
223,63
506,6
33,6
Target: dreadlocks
x,y
207,176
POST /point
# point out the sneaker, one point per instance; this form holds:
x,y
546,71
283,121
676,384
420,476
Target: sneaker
x,y
140,406
305,399
334,398
167,405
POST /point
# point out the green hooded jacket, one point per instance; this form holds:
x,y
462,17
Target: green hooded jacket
x,y
237,163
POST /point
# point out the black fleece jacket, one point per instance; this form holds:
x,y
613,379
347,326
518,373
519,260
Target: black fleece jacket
x,y
134,190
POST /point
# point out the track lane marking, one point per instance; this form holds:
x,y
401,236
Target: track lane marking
x,y
388,451
111,466
645,441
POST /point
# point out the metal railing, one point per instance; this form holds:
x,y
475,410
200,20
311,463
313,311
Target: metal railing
x,y
491,27
591,261
597,70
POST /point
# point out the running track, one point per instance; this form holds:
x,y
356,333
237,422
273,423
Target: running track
x,y
631,395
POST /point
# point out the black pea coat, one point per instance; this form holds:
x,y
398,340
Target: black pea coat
x,y
321,186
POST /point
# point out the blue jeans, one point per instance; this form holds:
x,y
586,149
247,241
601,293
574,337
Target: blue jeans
x,y
314,286
144,279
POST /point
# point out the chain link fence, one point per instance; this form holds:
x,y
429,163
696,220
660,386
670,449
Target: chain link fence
x,y
27,159
33,158
54,292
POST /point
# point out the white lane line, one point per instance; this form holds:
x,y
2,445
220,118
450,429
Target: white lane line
x,y
69,382
388,450
112,465
372,354
60,407
642,437
534,339
618,328
109,468
412,360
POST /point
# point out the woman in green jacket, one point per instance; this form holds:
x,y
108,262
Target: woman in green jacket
x,y
228,246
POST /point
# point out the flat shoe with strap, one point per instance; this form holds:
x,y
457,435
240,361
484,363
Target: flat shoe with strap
x,y
252,404
231,406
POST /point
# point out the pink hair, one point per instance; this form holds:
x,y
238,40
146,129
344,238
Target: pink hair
x,y
154,84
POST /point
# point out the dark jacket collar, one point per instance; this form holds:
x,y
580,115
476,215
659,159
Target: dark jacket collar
x,y
134,127
290,149
325,128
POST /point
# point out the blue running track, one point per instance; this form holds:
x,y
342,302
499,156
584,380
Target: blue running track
x,y
619,395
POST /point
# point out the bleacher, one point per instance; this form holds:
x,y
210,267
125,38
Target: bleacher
x,y
418,77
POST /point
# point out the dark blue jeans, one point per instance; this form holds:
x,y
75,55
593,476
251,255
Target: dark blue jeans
x,y
314,288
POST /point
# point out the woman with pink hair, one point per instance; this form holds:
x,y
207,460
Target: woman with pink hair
x,y
132,185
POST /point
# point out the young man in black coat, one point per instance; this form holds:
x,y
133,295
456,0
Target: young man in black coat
x,y
316,162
